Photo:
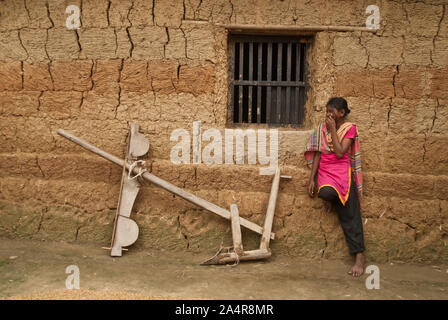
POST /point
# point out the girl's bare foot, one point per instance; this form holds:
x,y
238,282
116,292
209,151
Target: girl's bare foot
x,y
358,268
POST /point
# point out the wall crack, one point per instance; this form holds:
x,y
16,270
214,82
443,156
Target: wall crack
x,y
231,13
38,100
424,147
325,239
21,43
45,210
107,13
79,43
167,41
179,227
40,169
437,34
388,113
436,108
120,69
127,30
27,11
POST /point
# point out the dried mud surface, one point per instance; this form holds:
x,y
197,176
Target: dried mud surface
x,y
32,269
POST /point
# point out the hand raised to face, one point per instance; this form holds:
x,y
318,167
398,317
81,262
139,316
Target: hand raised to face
x,y
330,122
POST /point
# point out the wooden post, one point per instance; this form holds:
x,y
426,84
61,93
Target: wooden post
x,y
236,229
264,243
269,28
163,184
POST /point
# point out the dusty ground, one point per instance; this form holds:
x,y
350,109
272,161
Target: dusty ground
x,y
36,270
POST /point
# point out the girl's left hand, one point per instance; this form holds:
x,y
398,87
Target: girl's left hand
x,y
331,124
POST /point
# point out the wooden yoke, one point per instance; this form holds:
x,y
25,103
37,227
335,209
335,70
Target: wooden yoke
x,y
125,229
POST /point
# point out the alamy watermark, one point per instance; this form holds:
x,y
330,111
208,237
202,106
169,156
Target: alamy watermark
x,y
73,21
373,21
373,280
212,153
72,281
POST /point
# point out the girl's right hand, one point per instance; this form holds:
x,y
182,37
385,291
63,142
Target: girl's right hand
x,y
330,123
311,187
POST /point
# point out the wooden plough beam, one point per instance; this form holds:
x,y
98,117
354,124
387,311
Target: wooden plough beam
x,y
236,253
167,186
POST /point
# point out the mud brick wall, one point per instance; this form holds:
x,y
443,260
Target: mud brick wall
x,y
164,65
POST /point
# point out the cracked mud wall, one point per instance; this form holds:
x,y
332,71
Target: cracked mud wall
x,y
163,64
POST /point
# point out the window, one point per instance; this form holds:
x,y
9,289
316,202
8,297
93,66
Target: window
x,y
268,79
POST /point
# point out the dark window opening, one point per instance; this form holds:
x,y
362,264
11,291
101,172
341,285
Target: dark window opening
x,y
268,79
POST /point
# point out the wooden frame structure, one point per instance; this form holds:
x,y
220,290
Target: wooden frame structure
x,y
290,29
236,253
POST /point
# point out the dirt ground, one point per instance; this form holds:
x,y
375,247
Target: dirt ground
x,y
36,270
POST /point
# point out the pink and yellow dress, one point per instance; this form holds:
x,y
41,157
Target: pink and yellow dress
x,y
334,172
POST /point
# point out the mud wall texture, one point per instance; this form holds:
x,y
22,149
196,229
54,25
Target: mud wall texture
x,y
164,65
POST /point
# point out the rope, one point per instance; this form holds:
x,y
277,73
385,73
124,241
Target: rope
x,y
231,250
237,260
140,169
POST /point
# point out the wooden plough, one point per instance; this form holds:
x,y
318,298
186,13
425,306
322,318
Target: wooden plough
x,y
126,230
236,253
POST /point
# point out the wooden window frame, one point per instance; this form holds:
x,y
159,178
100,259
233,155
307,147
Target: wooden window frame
x,y
284,99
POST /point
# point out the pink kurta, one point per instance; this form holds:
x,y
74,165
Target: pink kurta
x,y
334,172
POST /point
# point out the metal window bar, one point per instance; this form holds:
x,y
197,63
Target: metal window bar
x,y
240,89
268,80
